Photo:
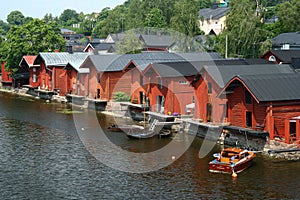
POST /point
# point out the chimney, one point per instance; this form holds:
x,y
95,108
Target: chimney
x,y
296,63
214,5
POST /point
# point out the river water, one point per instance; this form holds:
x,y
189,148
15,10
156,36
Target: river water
x,y
42,156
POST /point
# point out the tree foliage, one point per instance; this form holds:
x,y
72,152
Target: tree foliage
x,y
155,19
30,39
289,15
130,44
15,18
244,30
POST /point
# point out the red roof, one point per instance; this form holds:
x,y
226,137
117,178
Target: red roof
x,y
29,60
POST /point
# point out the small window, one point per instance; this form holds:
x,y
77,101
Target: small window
x,y
98,78
209,88
160,83
183,82
34,78
248,97
141,80
249,119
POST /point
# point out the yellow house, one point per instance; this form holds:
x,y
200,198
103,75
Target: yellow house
x,y
212,20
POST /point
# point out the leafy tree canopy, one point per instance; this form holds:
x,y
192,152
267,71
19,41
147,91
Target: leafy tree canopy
x,y
15,18
30,39
130,44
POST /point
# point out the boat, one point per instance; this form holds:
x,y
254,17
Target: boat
x,y
231,161
165,133
141,134
126,128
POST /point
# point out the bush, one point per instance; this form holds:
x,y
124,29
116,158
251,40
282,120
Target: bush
x,y
121,96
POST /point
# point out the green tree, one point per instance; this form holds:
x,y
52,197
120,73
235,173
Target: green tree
x,y
4,27
289,16
15,18
69,17
185,22
155,19
130,44
244,30
30,39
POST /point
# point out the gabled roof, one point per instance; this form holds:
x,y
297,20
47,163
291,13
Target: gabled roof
x,y
27,61
210,13
271,87
292,38
103,47
174,69
284,56
60,59
224,73
157,40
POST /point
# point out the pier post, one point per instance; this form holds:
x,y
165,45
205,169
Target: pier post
x,y
287,130
298,131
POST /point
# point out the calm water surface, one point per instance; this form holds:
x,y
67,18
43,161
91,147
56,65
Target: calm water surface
x,y
42,157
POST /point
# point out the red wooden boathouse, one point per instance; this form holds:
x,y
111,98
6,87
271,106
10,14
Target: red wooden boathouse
x,y
268,102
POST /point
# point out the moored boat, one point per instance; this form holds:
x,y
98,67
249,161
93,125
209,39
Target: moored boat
x,y
231,161
141,134
125,128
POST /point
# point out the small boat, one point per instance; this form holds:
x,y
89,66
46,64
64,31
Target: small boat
x,y
231,161
126,128
165,133
141,134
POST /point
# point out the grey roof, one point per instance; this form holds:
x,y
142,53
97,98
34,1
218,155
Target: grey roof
x,y
210,13
61,59
198,56
286,55
175,69
157,40
224,73
292,38
115,62
273,87
103,46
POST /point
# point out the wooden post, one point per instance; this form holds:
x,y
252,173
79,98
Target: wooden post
x,y
287,130
271,128
298,131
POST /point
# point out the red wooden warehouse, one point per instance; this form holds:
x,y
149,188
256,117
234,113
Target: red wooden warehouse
x,y
212,79
169,87
268,102
54,75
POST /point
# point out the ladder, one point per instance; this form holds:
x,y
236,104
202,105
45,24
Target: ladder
x,y
152,126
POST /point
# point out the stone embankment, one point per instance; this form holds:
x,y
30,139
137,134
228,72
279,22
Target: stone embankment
x,y
280,150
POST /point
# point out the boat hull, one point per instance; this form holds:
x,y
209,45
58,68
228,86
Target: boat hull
x,y
231,160
125,128
227,168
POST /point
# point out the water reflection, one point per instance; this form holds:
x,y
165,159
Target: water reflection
x,y
42,157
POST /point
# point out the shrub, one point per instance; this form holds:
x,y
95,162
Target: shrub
x,y
121,96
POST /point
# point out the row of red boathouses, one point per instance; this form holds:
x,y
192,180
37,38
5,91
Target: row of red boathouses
x,y
253,94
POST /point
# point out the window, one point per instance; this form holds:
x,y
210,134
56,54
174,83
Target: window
x,y
34,78
209,88
249,119
141,80
183,82
160,83
34,69
248,97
